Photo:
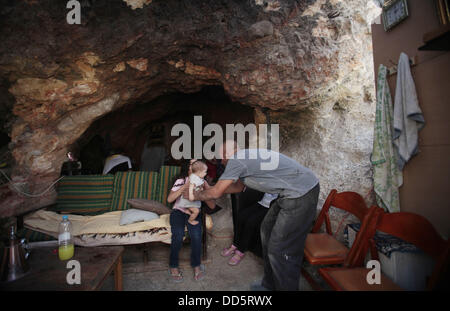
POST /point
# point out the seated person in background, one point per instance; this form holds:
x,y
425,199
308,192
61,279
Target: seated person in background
x,y
196,182
211,177
247,228
220,168
153,155
116,162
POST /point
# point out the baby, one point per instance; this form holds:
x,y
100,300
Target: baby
x,y
196,182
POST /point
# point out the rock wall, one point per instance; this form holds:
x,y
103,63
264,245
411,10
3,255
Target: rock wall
x,y
307,61
333,135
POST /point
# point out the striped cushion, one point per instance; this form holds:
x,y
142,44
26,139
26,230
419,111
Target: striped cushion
x,y
166,176
85,194
133,185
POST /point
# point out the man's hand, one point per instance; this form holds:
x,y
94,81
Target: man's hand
x,y
196,198
186,192
217,190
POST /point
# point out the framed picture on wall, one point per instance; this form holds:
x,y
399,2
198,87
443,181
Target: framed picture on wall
x,y
394,11
443,11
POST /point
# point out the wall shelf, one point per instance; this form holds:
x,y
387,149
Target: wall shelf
x,y
437,40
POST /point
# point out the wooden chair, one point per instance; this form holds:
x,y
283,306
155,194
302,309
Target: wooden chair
x,y
409,227
324,248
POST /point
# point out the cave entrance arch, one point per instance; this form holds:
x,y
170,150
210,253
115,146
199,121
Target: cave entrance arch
x,y
138,126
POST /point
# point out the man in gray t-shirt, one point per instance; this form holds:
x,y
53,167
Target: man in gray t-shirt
x,y
289,179
289,219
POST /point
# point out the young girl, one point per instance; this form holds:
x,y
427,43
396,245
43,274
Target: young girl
x,y
178,220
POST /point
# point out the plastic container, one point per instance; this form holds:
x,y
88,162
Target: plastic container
x,y
66,247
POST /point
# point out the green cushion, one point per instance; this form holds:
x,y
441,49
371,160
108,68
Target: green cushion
x,y
133,185
84,194
166,176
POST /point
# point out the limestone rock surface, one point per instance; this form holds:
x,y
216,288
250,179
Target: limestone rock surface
x,y
309,62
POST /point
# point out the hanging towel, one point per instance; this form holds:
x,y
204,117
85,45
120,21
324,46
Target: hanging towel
x,y
387,178
408,118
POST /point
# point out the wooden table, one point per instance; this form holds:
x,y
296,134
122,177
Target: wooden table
x,y
47,272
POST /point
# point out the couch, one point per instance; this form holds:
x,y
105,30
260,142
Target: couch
x,y
91,198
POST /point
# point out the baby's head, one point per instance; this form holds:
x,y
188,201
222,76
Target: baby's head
x,y
199,168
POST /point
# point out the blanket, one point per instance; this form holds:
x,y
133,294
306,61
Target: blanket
x,y
104,223
104,229
386,243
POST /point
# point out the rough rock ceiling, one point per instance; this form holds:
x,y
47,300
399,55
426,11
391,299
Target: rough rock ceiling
x,y
283,55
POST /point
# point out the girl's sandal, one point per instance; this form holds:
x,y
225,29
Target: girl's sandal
x,y
236,259
201,274
228,251
177,278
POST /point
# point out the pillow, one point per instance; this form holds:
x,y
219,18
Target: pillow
x,y
134,215
149,205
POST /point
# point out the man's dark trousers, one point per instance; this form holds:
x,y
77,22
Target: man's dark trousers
x,y
283,235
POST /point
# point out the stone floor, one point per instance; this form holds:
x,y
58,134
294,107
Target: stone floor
x,y
153,276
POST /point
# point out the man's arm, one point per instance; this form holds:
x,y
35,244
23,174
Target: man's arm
x,y
235,187
211,203
215,192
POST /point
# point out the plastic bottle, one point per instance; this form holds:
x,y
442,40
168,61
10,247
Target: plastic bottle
x,y
65,242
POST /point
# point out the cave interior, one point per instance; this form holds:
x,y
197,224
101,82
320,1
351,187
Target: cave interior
x,y
135,126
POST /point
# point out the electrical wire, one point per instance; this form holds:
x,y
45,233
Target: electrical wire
x,y
28,194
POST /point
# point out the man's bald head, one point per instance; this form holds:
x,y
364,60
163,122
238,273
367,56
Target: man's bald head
x,y
228,149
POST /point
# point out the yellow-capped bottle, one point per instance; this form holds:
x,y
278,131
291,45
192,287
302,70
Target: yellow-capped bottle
x,y
66,248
